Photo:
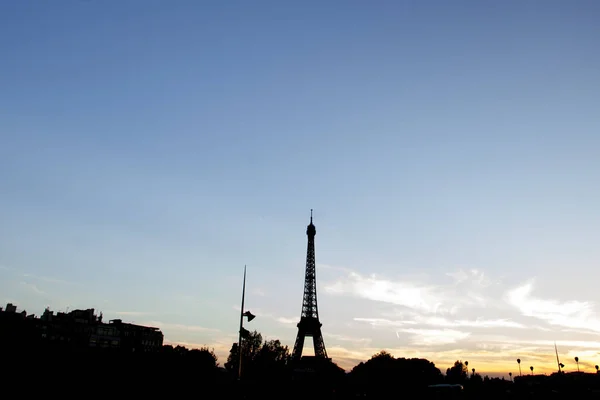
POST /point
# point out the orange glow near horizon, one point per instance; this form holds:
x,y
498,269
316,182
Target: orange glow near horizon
x,y
485,363
493,364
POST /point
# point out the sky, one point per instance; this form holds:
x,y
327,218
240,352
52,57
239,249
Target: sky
x,y
151,149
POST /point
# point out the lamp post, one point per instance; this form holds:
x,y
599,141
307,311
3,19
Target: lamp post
x,y
243,332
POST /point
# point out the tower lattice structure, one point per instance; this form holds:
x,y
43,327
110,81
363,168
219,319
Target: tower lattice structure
x,y
309,324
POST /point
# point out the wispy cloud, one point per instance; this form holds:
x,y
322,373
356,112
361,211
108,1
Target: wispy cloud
x,y
429,337
472,275
438,317
49,279
132,313
348,358
569,314
466,290
373,288
443,322
178,327
287,321
382,322
345,338
495,362
495,356
430,313
333,268
441,318
462,323
189,345
258,292
33,288
419,336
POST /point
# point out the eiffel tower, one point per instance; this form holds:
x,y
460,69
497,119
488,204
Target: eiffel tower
x,y
309,324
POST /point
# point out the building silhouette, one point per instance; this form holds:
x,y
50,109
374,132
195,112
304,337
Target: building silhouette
x,y
76,330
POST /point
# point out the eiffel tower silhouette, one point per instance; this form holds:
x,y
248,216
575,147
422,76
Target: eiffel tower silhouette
x,y
309,324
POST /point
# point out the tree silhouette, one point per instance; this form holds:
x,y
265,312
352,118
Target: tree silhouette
x,y
170,362
577,362
519,362
476,378
458,373
251,345
531,368
510,375
271,359
596,366
260,360
203,357
382,355
382,373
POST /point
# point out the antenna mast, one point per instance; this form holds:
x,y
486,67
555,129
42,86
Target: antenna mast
x,y
557,361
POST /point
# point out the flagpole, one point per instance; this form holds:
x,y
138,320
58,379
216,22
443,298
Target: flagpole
x,y
241,327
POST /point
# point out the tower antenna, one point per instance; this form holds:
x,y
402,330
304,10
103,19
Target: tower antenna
x,y
557,361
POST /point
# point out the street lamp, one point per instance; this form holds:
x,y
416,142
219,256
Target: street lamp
x,y
243,332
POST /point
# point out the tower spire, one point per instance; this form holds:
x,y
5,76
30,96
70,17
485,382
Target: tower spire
x,y
309,324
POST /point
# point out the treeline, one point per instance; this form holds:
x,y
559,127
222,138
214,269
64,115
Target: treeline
x,y
54,365
267,372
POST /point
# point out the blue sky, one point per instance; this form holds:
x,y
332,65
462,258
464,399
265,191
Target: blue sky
x,y
149,149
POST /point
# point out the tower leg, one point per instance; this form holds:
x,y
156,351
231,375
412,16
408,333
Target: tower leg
x,y
319,345
298,346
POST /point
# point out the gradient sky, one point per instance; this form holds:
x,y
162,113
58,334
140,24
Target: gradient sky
x,y
149,149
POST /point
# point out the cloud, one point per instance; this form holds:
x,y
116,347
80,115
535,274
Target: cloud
x,y
378,289
430,337
287,321
472,275
443,322
420,336
476,323
189,345
462,315
344,338
495,358
441,318
258,292
379,322
132,313
333,268
33,288
466,290
49,279
348,358
569,314
178,327
495,365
